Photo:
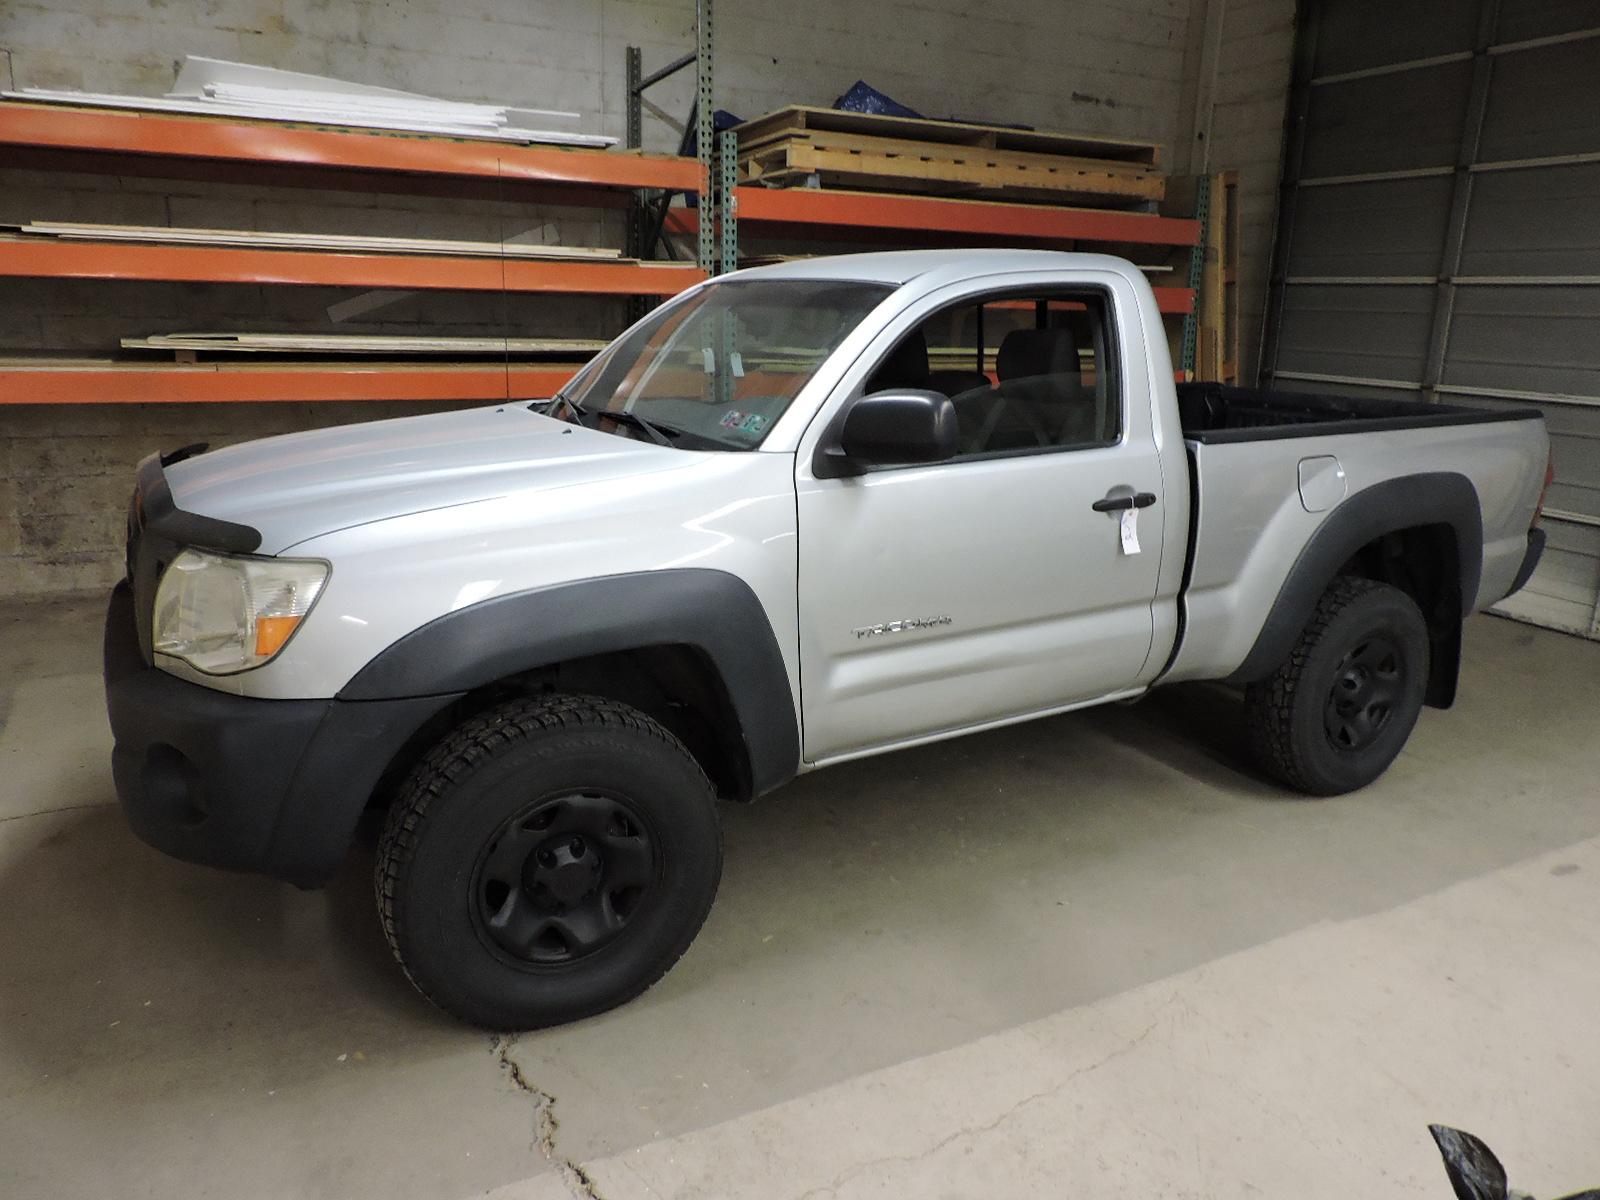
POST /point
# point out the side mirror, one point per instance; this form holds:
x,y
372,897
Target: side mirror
x,y
891,428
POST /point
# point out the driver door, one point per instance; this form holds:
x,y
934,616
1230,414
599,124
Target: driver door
x,y
935,598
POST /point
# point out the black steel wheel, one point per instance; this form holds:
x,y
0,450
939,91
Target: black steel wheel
x,y
563,878
1335,714
1368,683
550,859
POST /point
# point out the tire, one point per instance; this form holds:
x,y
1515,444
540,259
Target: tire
x,y
1335,714
548,860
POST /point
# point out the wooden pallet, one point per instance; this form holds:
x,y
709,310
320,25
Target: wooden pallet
x,y
955,133
803,145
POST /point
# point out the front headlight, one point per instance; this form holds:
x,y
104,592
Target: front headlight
x,y
223,614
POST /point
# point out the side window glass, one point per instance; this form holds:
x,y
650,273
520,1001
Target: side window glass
x,y
1025,372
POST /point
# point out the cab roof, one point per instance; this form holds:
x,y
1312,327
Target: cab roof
x,y
902,266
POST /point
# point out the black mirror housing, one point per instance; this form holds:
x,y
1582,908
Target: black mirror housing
x,y
892,428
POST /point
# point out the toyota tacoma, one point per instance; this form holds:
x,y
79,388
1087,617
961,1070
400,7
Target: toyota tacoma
x,y
794,516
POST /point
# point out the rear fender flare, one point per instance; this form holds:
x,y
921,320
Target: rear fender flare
x,y
1434,498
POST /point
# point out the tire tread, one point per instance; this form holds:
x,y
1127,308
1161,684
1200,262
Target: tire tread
x,y
467,748
1269,705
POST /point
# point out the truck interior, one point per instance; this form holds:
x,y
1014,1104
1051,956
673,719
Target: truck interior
x,y
1024,372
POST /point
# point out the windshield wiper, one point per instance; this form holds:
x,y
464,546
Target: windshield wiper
x,y
662,435
560,398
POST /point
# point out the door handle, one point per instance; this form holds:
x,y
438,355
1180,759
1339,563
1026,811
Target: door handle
x,y
1118,503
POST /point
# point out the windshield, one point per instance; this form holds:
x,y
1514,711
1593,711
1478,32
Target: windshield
x,y
715,370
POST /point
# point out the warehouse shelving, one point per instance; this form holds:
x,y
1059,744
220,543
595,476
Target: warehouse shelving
x,y
111,141
232,264
54,136
82,381
820,212
115,135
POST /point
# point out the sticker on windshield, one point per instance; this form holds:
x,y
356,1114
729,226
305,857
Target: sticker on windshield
x,y
750,424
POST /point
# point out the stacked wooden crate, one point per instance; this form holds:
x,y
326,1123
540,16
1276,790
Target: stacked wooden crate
x,y
831,148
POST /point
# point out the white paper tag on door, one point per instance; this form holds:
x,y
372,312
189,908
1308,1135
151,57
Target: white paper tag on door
x,y
1129,524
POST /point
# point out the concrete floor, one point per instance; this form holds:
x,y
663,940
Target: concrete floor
x,y
1092,956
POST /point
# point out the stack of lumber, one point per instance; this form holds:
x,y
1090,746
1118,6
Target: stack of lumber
x,y
276,240
867,151
187,345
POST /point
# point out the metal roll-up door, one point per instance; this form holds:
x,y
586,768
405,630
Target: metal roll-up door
x,y
1439,234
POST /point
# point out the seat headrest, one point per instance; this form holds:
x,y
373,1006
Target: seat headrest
x,y
1026,352
906,366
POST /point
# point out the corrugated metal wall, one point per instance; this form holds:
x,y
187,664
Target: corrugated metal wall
x,y
1439,233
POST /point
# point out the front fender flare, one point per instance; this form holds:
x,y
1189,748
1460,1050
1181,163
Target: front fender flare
x,y
712,611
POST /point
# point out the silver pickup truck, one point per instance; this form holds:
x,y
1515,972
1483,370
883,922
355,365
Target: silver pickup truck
x,y
795,516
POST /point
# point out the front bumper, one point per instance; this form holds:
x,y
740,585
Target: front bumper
x,y
269,786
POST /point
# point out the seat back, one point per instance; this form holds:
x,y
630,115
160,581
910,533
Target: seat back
x,y
1028,355
1040,399
906,366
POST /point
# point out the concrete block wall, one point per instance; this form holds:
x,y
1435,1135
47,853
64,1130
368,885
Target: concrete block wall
x,y
1109,66
65,477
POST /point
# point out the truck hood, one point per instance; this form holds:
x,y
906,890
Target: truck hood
x,y
301,485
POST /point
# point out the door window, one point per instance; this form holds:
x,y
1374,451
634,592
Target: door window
x,y
1026,372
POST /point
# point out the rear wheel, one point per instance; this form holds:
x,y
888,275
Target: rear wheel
x,y
550,859
1335,714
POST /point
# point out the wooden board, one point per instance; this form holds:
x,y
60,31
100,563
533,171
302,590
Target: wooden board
x,y
998,137
347,344
312,241
795,160
832,148
938,152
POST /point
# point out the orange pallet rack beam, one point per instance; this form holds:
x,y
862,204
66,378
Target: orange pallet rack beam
x,y
823,208
124,132
54,259
1174,301
205,383
211,383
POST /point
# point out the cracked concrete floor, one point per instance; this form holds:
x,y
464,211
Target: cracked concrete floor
x,y
1092,955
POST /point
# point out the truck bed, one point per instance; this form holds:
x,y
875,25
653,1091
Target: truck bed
x,y
1214,414
1247,450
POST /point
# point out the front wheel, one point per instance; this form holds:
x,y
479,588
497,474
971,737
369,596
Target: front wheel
x,y
548,860
1335,714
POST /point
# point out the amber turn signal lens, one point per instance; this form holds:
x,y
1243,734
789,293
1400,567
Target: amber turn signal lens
x,y
272,633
